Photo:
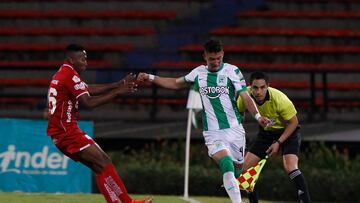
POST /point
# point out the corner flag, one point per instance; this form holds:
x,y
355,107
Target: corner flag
x,y
248,179
193,103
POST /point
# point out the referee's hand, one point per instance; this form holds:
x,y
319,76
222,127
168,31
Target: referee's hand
x,y
273,149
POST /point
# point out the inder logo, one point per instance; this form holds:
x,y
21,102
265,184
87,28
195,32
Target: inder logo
x,y
38,163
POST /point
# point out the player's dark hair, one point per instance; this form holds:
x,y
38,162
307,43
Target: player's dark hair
x,y
71,48
258,75
213,46
74,48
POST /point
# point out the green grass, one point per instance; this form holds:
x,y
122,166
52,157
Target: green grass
x,y
19,197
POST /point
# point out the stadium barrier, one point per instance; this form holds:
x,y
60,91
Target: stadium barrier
x,y
30,162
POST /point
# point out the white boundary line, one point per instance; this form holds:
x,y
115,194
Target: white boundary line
x,y
190,200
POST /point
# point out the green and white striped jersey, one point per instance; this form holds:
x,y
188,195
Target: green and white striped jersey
x,y
218,91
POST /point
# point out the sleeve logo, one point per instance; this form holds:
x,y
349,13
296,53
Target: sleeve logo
x,y
76,79
80,86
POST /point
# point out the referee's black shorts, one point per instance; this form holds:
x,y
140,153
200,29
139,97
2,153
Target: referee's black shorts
x,y
264,140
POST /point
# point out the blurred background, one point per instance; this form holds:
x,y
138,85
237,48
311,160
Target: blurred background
x,y
310,49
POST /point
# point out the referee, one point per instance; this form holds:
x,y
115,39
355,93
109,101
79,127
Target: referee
x,y
282,134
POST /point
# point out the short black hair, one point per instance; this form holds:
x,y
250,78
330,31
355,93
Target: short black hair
x,y
213,46
258,75
71,48
74,48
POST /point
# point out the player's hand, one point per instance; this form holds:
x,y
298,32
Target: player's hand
x,y
264,121
273,149
126,85
131,77
143,77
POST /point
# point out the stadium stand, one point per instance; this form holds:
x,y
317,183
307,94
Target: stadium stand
x,y
309,47
281,31
271,49
283,37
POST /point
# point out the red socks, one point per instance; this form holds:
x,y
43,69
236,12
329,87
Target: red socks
x,y
105,190
111,186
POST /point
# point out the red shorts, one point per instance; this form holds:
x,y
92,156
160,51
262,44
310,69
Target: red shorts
x,y
72,142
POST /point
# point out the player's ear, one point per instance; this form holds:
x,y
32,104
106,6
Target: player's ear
x,y
204,56
71,60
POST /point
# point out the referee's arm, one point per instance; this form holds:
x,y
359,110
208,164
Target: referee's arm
x,y
290,128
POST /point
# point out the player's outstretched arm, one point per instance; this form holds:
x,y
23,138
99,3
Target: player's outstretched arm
x,y
96,89
169,83
95,101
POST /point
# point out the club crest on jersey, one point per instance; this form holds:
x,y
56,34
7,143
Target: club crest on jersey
x,y
222,80
76,79
213,92
55,82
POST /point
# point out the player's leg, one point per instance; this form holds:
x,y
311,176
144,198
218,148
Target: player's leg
x,y
108,180
253,156
106,176
291,151
250,161
227,169
225,150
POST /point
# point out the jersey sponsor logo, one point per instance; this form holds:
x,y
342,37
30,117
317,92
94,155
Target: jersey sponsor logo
x,y
76,79
214,92
80,86
38,163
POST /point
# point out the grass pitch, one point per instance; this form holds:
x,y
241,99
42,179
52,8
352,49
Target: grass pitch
x,y
19,197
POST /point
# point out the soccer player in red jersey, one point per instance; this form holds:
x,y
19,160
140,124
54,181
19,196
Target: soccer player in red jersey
x,y
65,92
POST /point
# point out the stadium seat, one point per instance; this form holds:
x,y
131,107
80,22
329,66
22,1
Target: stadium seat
x,y
133,14
246,66
48,64
299,14
268,31
76,31
289,49
14,46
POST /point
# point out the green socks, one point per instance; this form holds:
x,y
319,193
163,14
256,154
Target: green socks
x,y
226,164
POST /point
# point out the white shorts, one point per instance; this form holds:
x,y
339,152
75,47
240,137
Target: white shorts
x,y
231,139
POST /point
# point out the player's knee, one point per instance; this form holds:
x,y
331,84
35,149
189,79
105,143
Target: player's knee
x,y
290,167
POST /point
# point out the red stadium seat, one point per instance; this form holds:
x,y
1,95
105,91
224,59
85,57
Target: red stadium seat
x,y
24,82
133,14
268,31
14,46
246,66
299,14
49,64
290,49
76,31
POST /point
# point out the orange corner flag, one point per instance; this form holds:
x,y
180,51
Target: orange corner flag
x,y
247,180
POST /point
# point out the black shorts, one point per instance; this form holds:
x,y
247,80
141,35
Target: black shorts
x,y
264,140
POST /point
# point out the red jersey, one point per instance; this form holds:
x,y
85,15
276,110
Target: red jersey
x,y
65,88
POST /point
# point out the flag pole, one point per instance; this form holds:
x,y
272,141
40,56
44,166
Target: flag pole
x,y
187,155
193,103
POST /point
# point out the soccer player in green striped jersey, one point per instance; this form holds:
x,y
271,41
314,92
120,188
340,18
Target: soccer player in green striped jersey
x,y
219,85
281,134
